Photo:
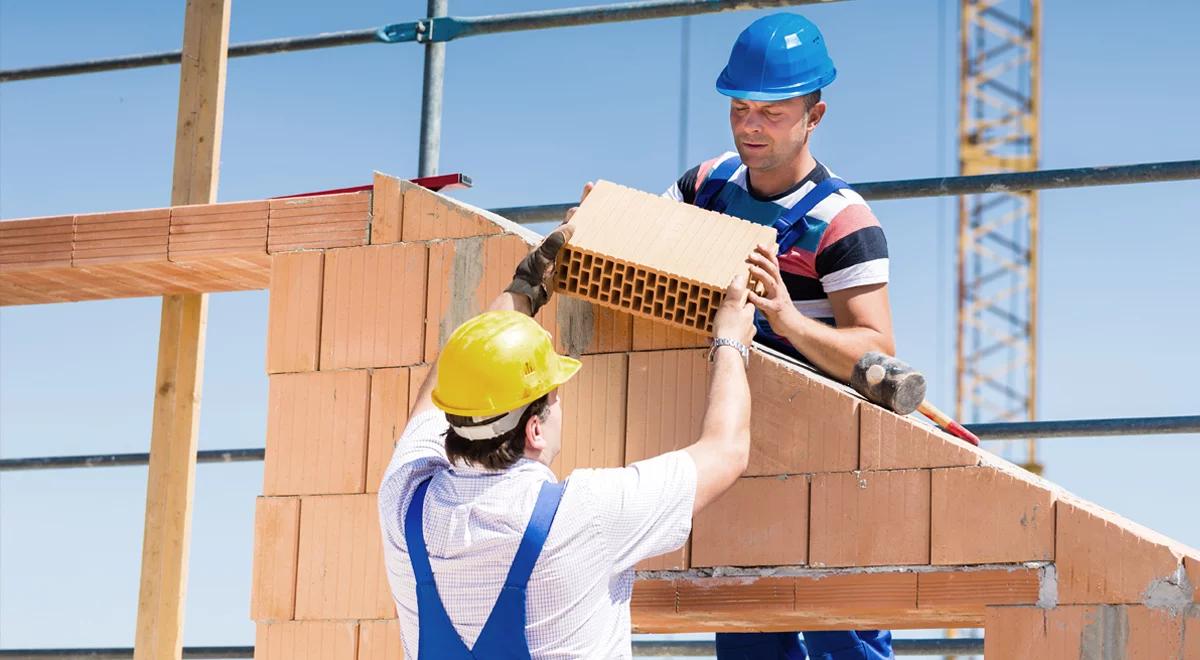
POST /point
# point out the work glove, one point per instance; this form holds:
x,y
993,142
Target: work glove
x,y
533,274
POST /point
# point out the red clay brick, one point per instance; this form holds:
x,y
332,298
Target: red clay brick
x,y
340,573
799,422
593,405
124,236
1032,632
205,230
430,216
676,560
372,306
417,376
1128,632
581,328
1103,558
319,222
316,433
736,598
36,242
1017,586
892,442
1191,567
1191,635
761,521
389,414
878,591
667,393
651,335
1153,634
387,208
308,640
294,312
379,640
982,515
869,519
276,537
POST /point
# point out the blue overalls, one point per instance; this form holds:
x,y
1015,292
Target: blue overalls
x,y
840,645
503,634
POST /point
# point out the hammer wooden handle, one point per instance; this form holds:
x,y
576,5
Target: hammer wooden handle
x,y
947,423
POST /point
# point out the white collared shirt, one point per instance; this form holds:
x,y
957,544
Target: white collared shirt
x,y
577,603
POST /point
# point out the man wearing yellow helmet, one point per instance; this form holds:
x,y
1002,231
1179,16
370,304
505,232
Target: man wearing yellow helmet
x,y
487,556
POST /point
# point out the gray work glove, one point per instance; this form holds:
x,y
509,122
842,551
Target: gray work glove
x,y
534,272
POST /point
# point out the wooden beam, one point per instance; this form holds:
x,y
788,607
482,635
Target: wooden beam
x,y
172,473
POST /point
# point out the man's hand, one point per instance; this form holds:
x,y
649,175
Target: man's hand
x,y
735,316
775,302
534,272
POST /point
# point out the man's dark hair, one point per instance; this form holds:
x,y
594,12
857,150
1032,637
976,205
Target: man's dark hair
x,y
498,453
811,99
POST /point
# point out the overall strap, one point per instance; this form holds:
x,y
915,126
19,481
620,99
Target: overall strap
x,y
535,535
792,225
716,180
414,535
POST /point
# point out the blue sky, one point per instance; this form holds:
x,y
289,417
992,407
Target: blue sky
x,y
531,117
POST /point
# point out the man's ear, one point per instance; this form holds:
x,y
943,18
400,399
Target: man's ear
x,y
815,114
534,440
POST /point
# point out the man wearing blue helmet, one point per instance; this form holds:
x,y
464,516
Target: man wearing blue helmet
x,y
824,294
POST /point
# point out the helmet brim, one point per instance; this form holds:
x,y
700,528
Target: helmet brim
x,y
771,96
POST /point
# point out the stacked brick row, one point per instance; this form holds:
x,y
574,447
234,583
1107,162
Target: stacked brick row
x,y
182,249
848,515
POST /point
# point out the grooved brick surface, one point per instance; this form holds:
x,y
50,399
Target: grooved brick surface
x,y
120,237
869,518
759,521
390,396
581,328
205,230
379,640
294,312
36,242
429,216
884,591
316,433
372,306
1124,632
666,402
276,537
387,208
319,222
651,335
1103,558
1008,519
1015,586
593,405
799,422
892,442
735,597
674,268
307,640
340,572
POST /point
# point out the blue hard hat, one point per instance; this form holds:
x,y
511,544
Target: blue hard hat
x,y
777,57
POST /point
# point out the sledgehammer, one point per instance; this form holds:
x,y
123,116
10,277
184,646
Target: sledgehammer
x,y
889,382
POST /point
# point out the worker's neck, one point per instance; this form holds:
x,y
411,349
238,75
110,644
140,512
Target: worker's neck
x,y
781,178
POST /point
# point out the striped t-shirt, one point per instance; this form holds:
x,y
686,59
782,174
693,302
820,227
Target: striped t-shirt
x,y
843,248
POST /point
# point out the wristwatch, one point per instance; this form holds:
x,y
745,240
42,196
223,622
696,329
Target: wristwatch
x,y
732,343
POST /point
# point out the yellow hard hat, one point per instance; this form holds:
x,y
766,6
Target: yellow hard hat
x,y
496,363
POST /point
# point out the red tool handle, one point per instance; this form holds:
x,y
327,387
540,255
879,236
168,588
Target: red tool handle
x,y
947,424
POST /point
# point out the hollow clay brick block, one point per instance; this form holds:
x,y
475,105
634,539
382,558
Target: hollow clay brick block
x,y
654,257
276,537
389,413
1153,633
1032,632
416,378
760,521
319,222
1191,635
36,242
1191,565
1127,632
593,409
581,328
340,572
982,515
379,640
308,640
878,591
429,216
869,519
124,236
974,589
465,275
799,422
316,433
372,310
736,599
1103,558
650,335
675,560
387,208
665,412
205,230
893,442
294,312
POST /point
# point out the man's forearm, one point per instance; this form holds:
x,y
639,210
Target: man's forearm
x,y
832,350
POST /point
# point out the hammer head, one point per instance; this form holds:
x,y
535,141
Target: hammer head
x,y
886,381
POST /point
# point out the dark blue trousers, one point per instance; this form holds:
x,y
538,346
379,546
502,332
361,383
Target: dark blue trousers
x,y
840,645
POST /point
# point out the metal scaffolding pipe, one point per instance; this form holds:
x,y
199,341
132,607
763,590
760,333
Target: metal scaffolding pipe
x,y
123,460
441,28
432,87
1078,177
641,649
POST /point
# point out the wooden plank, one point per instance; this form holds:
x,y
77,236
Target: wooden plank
x,y
172,472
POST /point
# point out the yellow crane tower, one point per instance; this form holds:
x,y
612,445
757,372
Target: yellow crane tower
x,y
999,104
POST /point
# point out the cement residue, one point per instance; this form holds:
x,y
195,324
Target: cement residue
x,y
1048,587
465,275
576,325
1105,634
1172,593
